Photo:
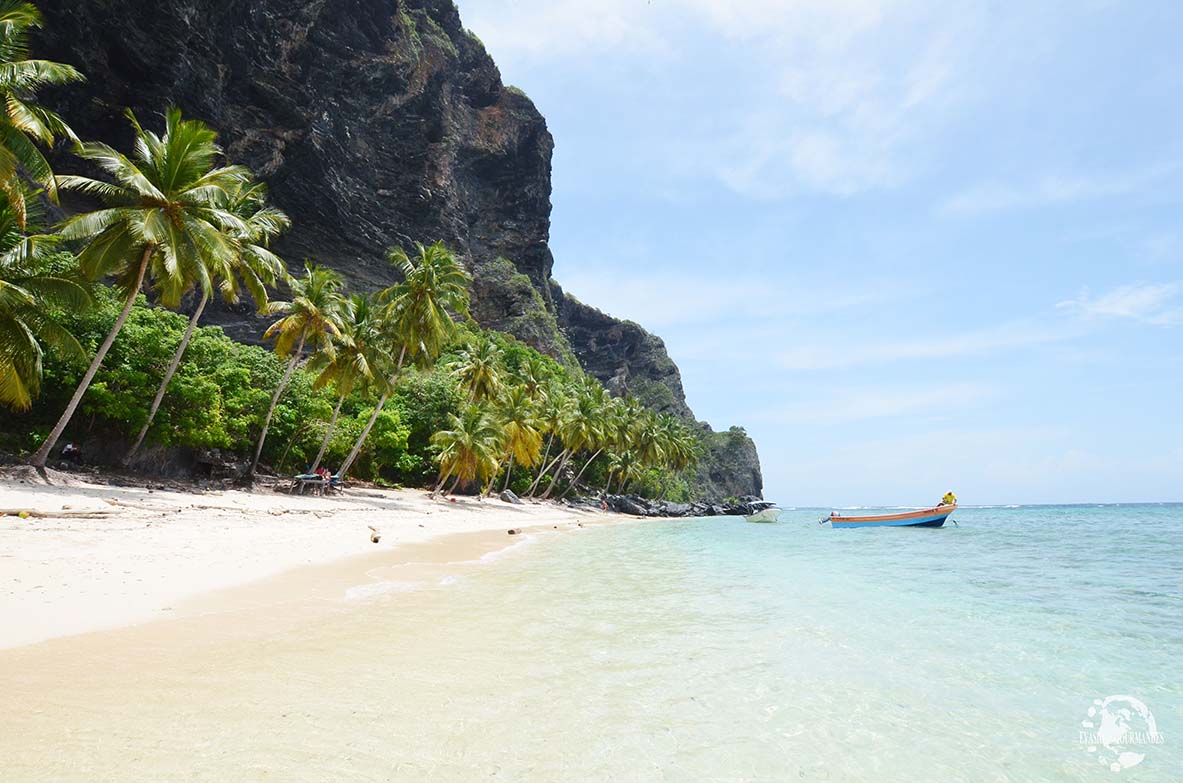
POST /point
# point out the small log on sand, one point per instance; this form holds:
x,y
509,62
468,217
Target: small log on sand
x,y
25,513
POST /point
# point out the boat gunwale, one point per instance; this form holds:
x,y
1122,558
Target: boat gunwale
x,y
927,512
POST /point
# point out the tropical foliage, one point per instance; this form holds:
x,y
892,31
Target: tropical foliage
x,y
164,221
400,385
311,319
23,122
416,316
31,287
253,266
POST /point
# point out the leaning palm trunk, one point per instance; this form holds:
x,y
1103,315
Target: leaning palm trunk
x,y
566,455
496,473
283,383
365,433
42,453
543,472
550,441
168,376
439,485
324,444
579,475
283,460
508,473
492,480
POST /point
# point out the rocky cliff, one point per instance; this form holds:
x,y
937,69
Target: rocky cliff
x,y
375,123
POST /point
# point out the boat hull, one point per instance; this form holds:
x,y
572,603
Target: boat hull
x,y
929,517
764,515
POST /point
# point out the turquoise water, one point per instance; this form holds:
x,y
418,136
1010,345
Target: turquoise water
x,y
685,650
723,650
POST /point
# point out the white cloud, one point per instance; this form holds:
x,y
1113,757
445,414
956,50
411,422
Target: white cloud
x,y
1149,303
1007,336
536,30
1052,190
832,96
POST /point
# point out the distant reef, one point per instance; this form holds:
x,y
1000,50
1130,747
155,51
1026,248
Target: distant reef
x,y
375,123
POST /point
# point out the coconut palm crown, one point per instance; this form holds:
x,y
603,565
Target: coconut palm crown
x,y
23,123
252,266
164,220
478,369
469,448
360,361
28,294
313,318
417,316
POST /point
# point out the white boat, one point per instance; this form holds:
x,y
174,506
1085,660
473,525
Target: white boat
x,y
766,512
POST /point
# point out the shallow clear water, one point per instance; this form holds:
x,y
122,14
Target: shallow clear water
x,y
696,650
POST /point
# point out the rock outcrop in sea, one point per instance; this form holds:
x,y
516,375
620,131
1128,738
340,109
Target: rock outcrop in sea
x,y
375,123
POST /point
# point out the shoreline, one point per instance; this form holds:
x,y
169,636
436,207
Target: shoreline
x,y
95,557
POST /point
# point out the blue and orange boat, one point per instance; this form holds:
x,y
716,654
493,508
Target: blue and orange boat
x,y
928,517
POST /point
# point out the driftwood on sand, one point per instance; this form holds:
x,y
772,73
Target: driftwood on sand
x,y
25,513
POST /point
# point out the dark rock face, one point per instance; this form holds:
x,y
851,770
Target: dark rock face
x,y
641,507
623,356
628,359
375,123
731,466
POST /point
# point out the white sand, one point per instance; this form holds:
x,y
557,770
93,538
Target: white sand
x,y
63,575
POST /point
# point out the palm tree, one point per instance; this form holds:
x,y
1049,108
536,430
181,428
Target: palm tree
x,y
312,318
469,448
627,415
599,410
416,316
253,266
22,121
534,374
551,416
647,440
360,360
583,427
27,294
478,368
624,465
514,413
164,212
679,446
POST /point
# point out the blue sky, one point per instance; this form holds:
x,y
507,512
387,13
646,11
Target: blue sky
x,y
909,246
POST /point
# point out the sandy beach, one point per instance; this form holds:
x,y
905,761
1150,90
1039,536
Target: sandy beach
x,y
89,557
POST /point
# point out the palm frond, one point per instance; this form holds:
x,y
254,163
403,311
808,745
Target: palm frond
x,y
107,191
121,168
58,291
108,251
29,157
54,335
27,76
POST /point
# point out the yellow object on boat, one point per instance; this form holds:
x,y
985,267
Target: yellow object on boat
x,y
949,499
